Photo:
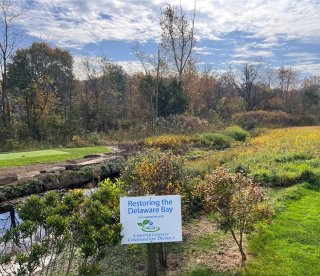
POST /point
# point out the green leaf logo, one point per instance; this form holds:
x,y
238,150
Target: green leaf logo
x,y
148,226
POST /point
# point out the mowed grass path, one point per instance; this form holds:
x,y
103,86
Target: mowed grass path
x,y
291,244
47,156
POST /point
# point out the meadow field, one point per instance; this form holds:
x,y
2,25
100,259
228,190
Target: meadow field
x,y
284,162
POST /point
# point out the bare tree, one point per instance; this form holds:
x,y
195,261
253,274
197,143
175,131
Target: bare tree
x,y
177,37
246,86
10,12
146,60
153,66
287,78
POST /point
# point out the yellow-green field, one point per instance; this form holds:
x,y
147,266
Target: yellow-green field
x,y
280,157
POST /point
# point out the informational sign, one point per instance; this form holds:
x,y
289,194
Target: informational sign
x,y
151,219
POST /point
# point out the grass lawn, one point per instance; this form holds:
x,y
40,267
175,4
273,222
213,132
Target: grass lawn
x,y
46,156
291,244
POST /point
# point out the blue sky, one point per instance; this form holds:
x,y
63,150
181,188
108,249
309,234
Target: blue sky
x,y
228,32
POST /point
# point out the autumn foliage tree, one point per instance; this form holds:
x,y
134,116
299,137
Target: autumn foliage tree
x,y
236,201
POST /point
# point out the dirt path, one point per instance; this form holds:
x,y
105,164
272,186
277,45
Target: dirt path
x,y
30,168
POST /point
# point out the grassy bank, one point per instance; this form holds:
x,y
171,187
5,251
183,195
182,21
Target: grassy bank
x,y
291,244
47,156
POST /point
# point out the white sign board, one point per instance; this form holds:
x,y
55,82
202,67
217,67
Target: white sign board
x,y
151,219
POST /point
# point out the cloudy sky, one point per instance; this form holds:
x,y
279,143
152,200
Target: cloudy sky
x,y
229,32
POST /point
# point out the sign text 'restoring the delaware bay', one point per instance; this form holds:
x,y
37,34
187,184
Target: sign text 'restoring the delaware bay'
x,y
151,219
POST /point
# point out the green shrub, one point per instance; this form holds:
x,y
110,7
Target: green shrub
x,y
311,177
78,141
276,179
94,138
76,232
293,157
214,140
237,133
244,169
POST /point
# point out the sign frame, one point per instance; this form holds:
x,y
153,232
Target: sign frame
x,y
151,219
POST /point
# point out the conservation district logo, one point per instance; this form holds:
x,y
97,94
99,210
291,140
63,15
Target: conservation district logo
x,y
147,226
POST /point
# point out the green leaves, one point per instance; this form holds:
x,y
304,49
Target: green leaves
x,y
55,224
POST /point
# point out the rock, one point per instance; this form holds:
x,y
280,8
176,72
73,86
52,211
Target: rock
x,y
53,170
73,167
69,178
28,175
93,156
78,166
27,185
20,188
51,181
93,162
6,179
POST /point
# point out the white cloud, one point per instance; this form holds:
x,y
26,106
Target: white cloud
x,y
206,51
248,52
309,68
74,23
302,57
130,67
243,61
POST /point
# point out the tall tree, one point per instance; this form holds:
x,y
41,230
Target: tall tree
x,y
9,13
287,78
42,61
172,99
40,77
177,37
146,87
104,94
246,86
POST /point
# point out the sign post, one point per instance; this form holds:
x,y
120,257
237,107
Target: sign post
x,y
151,219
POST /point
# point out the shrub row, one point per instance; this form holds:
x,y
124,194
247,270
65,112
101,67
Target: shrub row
x,y
212,140
262,118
